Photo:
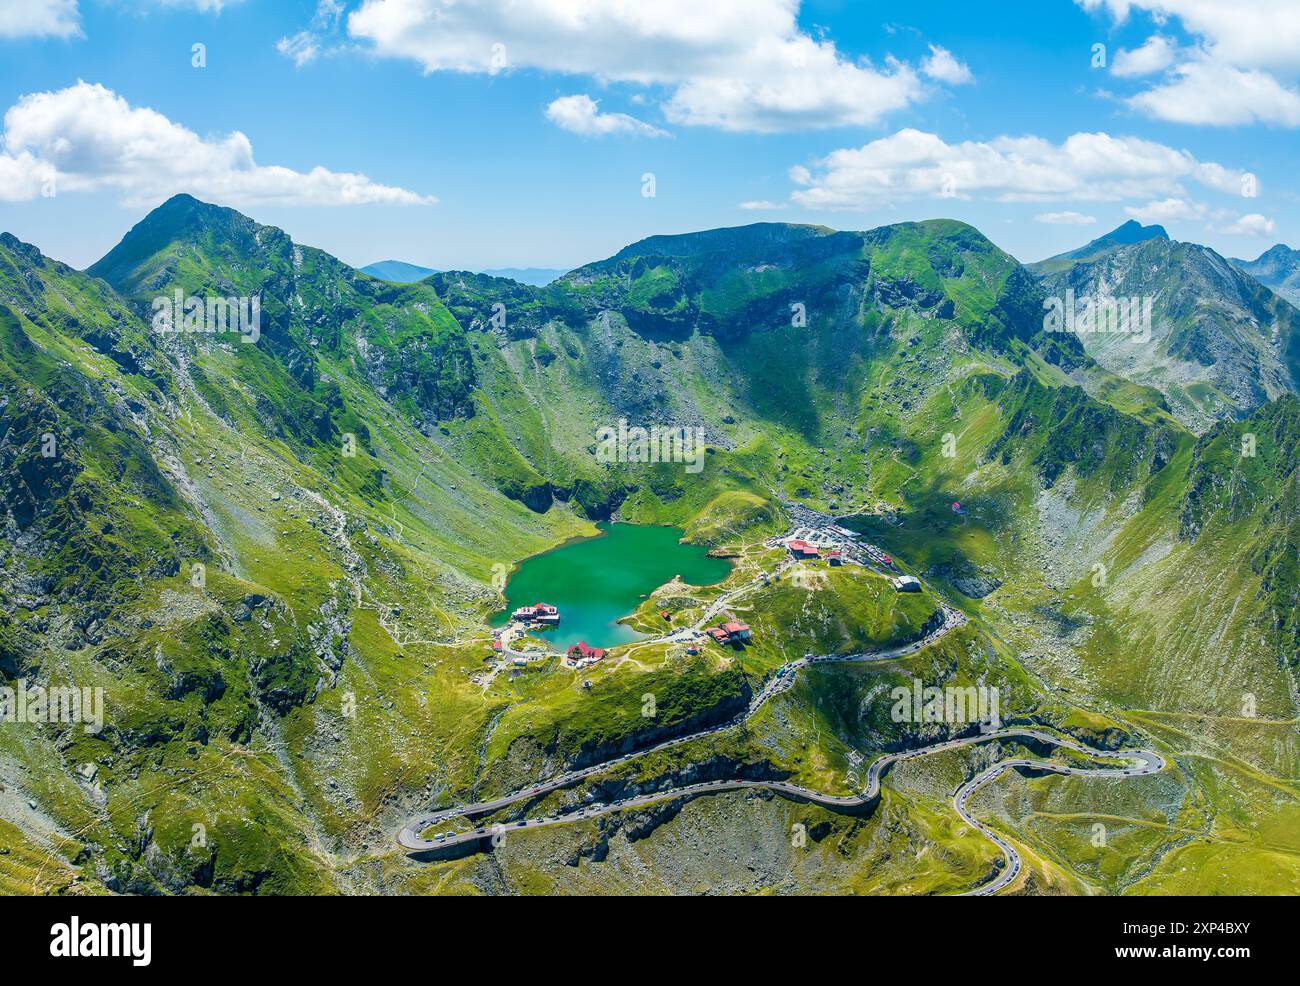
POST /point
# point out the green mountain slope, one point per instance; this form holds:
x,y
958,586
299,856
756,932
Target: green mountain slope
x,y
278,557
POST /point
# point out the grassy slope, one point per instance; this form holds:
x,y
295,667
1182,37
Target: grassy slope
x,y
347,697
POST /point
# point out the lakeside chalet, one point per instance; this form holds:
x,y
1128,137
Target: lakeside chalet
x,y
583,653
543,613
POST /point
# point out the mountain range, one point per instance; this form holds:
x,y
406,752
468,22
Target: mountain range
x,y
400,272
1219,344
1278,268
278,557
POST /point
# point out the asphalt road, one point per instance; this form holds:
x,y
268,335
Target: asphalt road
x,y
1138,762
409,837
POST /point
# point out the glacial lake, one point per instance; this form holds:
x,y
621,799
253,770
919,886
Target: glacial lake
x,y
598,580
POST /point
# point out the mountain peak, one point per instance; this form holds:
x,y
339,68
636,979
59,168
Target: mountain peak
x,y
1126,234
1134,232
180,219
723,239
1278,268
1278,251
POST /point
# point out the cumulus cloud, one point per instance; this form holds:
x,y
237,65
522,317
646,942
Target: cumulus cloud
x,y
1156,55
1084,167
581,115
1066,218
1209,92
741,65
1252,224
1215,220
88,138
1167,210
943,67
1241,70
760,205
1259,33
40,19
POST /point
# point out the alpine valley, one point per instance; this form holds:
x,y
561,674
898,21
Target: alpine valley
x,y
283,559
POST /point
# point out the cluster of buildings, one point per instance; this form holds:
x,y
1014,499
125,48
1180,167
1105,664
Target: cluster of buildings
x,y
839,545
807,551
541,613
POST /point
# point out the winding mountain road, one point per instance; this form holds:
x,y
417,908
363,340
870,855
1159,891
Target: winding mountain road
x,y
1139,762
409,836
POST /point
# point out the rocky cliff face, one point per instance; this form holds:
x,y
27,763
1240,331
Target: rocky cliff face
x,y
1218,344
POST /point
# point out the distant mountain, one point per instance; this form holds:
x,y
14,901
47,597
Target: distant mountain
x,y
1129,233
400,272
1278,268
1219,344
397,271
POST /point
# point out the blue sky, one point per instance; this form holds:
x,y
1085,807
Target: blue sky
x,y
476,135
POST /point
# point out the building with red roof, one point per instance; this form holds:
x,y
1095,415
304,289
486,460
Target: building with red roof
x,y
537,613
581,651
730,633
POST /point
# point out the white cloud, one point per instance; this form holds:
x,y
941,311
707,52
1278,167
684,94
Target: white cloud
x,y
1242,69
581,115
760,205
39,19
202,6
92,139
1209,92
1257,33
1066,218
1155,55
305,46
1174,210
302,47
943,67
1084,167
1167,210
1251,225
741,65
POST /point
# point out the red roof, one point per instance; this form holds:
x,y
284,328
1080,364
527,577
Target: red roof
x,y
595,653
734,627
717,633
800,546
